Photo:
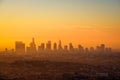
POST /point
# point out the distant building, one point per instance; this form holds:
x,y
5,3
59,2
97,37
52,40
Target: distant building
x,y
6,50
48,45
71,48
41,48
97,49
86,50
60,45
92,50
11,51
108,50
80,48
28,50
32,47
19,47
65,48
102,48
55,46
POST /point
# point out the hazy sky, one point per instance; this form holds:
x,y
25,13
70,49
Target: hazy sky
x,y
88,22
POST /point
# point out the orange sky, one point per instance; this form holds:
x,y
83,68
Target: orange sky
x,y
80,22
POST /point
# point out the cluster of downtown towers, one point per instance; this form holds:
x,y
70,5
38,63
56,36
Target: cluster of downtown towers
x,y
48,47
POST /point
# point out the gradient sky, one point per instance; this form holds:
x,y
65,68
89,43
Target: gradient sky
x,y
88,22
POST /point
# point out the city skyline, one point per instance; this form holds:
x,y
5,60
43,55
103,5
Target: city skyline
x,y
21,47
89,22
59,39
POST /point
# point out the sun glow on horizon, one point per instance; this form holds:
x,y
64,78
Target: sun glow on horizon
x,y
85,22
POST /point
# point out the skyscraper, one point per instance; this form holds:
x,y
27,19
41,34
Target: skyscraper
x,y
102,48
32,47
97,49
19,47
80,48
71,48
60,45
48,45
55,46
41,47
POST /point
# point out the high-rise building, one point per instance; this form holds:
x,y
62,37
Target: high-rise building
x,y
102,48
32,47
80,48
48,45
71,48
41,47
19,47
28,49
55,46
60,45
97,49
